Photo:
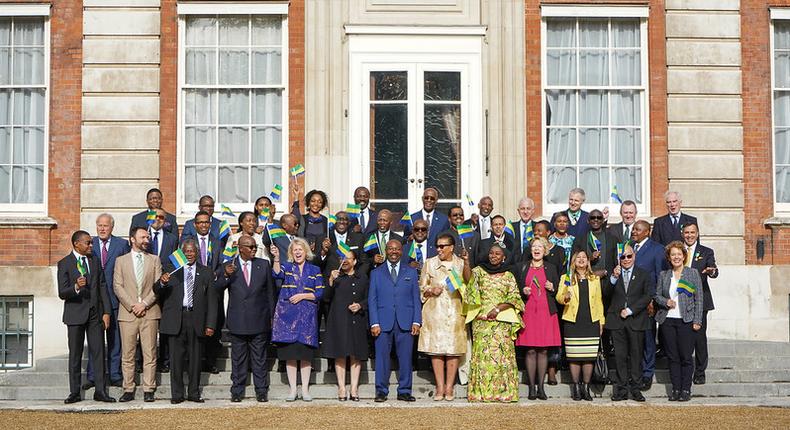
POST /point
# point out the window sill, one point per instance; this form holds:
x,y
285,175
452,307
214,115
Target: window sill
x,y
42,222
777,222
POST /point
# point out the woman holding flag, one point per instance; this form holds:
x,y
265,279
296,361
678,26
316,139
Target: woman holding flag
x,y
679,300
313,225
248,224
443,332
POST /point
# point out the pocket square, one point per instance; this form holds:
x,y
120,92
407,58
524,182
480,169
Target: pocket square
x,y
407,279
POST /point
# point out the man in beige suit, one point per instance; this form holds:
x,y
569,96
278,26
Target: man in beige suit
x,y
138,313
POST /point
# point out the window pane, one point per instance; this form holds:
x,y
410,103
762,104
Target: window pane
x,y
234,66
560,180
390,156
29,145
5,65
626,33
629,183
593,67
17,349
233,186
200,106
264,178
198,181
782,108
782,69
561,109
388,86
626,68
200,145
593,108
5,184
561,146
595,182
267,66
593,33
5,31
201,31
782,141
783,184
593,146
5,107
29,107
626,147
560,33
29,31
782,34
267,105
443,149
267,145
267,30
626,108
561,67
29,66
233,31
5,145
18,315
442,86
234,145
28,184
234,107
201,66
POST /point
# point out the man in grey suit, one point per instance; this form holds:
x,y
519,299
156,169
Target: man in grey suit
x,y
622,229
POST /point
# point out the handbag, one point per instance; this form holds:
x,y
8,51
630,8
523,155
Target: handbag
x,y
601,368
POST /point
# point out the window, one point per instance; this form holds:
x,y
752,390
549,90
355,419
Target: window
x,y
233,107
16,332
24,76
781,113
595,89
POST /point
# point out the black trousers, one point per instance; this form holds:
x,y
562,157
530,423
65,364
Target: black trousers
x,y
678,338
246,350
94,329
701,348
628,353
213,346
186,349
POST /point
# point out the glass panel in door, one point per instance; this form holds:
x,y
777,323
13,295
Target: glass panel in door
x,y
442,136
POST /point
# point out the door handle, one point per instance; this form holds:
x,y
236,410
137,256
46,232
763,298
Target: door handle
x,y
411,180
419,181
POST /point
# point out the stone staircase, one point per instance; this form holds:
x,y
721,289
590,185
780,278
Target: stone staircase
x,y
736,369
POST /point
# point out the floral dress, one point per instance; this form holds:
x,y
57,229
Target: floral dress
x,y
493,373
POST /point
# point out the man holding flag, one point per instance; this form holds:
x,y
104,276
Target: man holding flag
x,y
418,249
341,238
464,235
599,244
377,242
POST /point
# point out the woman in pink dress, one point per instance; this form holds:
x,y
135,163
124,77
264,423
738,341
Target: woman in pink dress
x,y
538,281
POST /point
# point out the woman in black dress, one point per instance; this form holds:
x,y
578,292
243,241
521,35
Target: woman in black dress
x,y
347,323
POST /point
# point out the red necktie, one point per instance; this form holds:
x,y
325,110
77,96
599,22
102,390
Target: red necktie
x,y
104,254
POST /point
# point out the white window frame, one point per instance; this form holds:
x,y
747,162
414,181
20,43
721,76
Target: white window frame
x,y
780,208
24,11
30,321
605,12
183,208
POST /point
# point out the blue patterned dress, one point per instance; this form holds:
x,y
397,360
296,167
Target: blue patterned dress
x,y
296,325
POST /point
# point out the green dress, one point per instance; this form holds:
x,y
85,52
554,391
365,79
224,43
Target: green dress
x,y
493,373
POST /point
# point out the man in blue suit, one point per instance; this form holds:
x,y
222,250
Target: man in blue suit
x,y
523,230
668,227
395,317
437,222
206,203
423,249
577,217
108,247
365,223
251,300
650,258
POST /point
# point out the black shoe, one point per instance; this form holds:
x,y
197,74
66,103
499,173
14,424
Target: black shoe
x,y
103,398
575,394
646,383
163,369
354,398
542,393
406,398
674,396
177,401
685,396
585,392
72,398
148,397
619,396
235,398
380,398
699,380
211,369
116,383
263,398
196,399
637,396
88,385
532,392
127,397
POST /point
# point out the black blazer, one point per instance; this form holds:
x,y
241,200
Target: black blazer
x,y
250,309
169,245
703,257
370,226
372,253
617,231
663,232
517,254
138,220
77,306
609,252
636,299
481,254
520,270
171,297
355,241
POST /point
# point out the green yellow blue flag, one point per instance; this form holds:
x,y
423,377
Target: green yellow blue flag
x,y
277,191
465,231
178,259
275,232
229,252
80,268
686,287
454,281
227,212
150,217
615,195
353,210
371,244
297,170
343,250
224,229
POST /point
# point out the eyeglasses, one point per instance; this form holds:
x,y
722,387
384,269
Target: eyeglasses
x,y
626,256
160,217
457,215
419,229
250,246
428,198
596,217
442,245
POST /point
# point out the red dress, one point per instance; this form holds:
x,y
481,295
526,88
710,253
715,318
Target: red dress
x,y
541,328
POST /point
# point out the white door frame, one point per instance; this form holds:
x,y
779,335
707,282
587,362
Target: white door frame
x,y
414,54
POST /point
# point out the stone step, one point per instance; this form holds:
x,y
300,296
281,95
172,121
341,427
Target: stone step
x,y
420,390
747,348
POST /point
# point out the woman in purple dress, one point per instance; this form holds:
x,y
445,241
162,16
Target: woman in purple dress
x,y
295,325
538,281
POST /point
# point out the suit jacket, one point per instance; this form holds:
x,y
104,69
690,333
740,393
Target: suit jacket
x,y
703,257
389,302
428,250
189,229
636,298
690,307
609,252
370,226
250,308
171,296
582,226
439,223
138,220
470,244
169,245
517,254
663,232
77,305
355,241
520,270
118,247
372,253
215,256
126,286
484,246
650,258
617,231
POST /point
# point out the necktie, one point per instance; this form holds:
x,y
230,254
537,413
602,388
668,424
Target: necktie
x,y
104,254
627,234
636,249
419,252
190,286
138,273
362,220
383,244
688,257
155,244
246,271
203,250
394,274
626,278
85,265
526,236
674,220
428,220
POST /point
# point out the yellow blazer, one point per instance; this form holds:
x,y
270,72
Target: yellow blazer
x,y
572,307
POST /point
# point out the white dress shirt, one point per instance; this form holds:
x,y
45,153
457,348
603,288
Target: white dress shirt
x,y
673,294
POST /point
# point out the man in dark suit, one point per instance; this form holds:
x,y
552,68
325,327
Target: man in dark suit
x,y
423,249
702,259
667,228
482,223
437,222
523,230
289,223
577,217
365,223
599,244
629,290
206,203
188,317
650,258
395,317
622,229
210,255
456,216
382,235
251,300
109,247
162,243
154,200
499,236
86,311
329,259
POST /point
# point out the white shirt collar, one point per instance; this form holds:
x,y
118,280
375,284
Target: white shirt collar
x,y
77,255
427,215
643,241
199,236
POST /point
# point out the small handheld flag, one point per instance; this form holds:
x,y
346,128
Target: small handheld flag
x,y
595,244
150,217
509,229
469,200
297,170
343,250
229,252
465,231
567,280
263,218
454,281
353,210
275,232
405,220
535,282
413,251
371,244
178,259
224,229
686,287
80,268
620,249
331,220
615,196
227,212
277,191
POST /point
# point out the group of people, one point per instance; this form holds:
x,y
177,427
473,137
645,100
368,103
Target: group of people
x,y
468,291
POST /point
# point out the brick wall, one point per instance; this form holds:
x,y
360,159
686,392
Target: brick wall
x,y
296,95
757,135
